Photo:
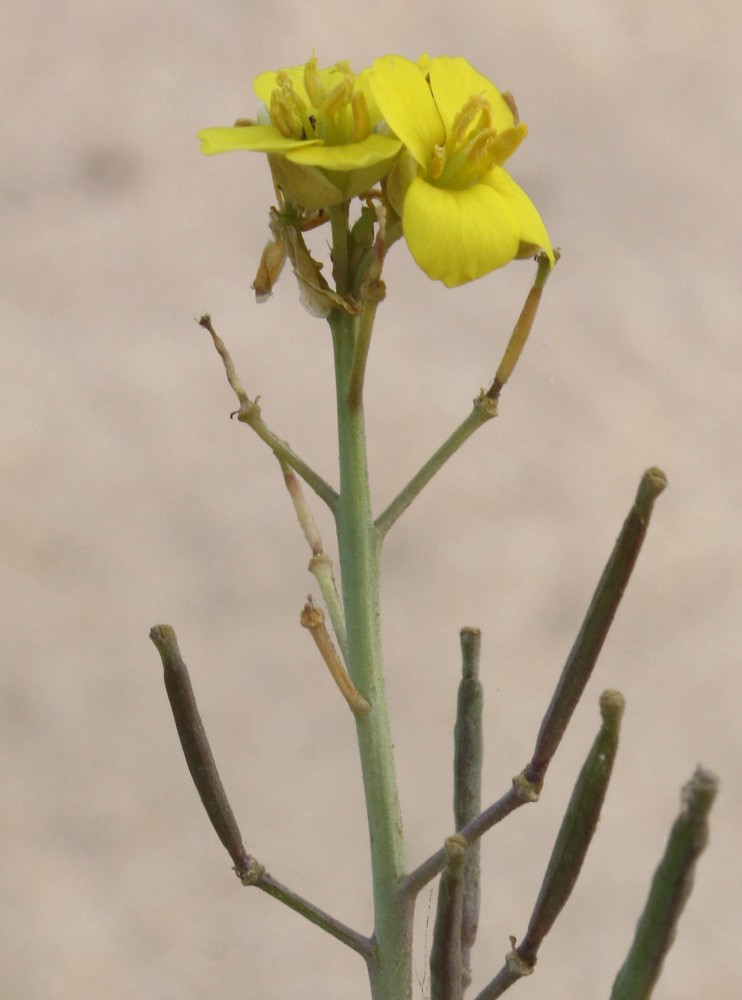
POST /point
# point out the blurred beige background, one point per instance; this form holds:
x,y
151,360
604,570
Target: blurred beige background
x,y
129,498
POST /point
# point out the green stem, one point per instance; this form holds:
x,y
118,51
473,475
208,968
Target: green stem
x,y
314,915
485,406
484,409
358,373
359,544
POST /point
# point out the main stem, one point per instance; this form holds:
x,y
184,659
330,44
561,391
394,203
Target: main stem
x,y
359,545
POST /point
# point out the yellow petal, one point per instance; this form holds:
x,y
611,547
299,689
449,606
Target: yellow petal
x,y
532,230
258,138
370,151
453,81
404,99
457,236
363,85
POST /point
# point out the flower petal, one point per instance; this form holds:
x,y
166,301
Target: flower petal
x,y
404,99
370,151
457,236
454,80
258,138
533,232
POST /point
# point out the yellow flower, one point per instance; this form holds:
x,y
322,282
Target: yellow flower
x,y
462,214
317,127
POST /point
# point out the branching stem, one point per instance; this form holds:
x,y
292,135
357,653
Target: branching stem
x,y
484,409
577,670
358,942
359,547
485,405
320,565
249,413
202,767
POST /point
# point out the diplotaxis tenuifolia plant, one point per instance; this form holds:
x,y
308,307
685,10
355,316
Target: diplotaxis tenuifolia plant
x,y
414,151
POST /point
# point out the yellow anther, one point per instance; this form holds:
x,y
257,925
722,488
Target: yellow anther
x,y
477,106
510,101
281,116
437,162
506,143
293,101
481,148
313,83
338,97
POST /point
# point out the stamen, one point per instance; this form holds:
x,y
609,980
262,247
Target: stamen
x,y
281,116
313,83
480,148
288,111
293,100
338,97
510,101
476,105
437,162
507,142
361,117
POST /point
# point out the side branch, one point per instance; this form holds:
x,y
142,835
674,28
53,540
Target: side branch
x,y
249,413
575,675
357,942
320,565
485,406
201,764
484,409
515,797
570,849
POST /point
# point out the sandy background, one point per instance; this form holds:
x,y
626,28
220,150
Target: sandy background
x,y
129,498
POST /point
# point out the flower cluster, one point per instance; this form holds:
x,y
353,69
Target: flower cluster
x,y
435,135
